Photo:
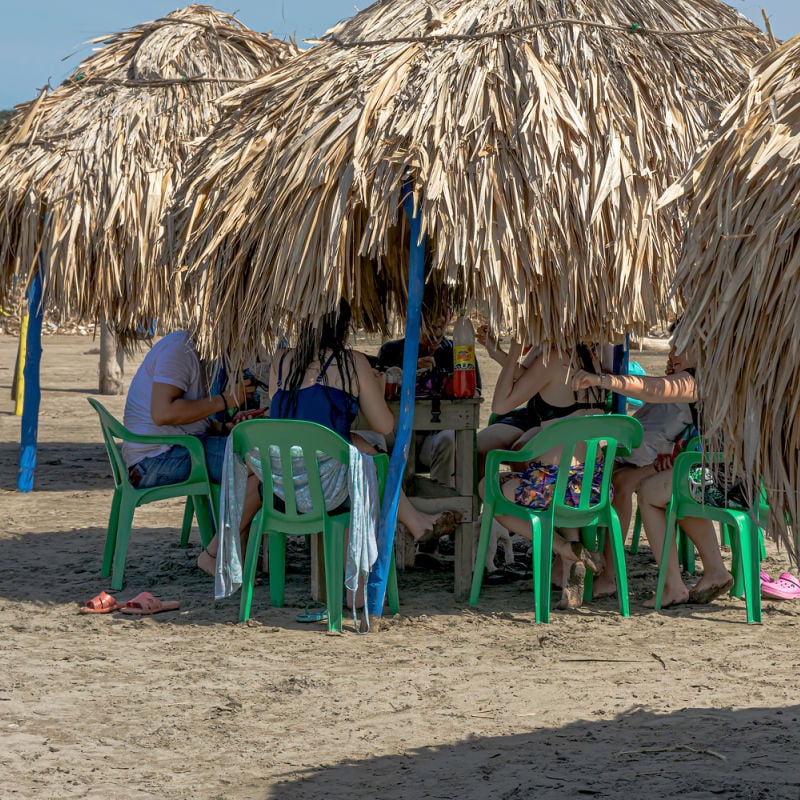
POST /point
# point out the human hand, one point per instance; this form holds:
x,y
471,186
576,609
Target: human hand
x,y
237,394
489,341
426,362
664,462
584,380
251,413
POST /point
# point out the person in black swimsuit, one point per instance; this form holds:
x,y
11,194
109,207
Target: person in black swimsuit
x,y
544,386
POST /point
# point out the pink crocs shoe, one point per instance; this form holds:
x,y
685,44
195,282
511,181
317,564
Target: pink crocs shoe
x,y
782,588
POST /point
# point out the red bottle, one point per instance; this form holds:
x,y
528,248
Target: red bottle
x,y
464,380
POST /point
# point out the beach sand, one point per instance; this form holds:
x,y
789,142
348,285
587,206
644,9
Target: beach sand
x,y
445,702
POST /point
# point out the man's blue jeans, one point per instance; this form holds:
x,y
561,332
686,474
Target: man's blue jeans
x,y
175,465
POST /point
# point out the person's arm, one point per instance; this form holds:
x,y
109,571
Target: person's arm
x,y
168,406
370,396
677,388
492,345
510,391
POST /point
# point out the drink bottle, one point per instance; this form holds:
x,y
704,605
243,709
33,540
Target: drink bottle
x,y
464,380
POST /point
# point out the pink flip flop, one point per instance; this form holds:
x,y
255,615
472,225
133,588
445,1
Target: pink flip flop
x,y
104,603
765,578
145,604
781,589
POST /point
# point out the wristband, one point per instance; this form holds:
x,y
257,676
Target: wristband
x,y
224,402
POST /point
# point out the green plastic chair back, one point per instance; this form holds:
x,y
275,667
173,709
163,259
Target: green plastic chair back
x,y
743,532
311,441
604,436
196,488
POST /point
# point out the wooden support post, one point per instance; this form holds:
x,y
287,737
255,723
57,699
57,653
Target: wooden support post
x,y
19,373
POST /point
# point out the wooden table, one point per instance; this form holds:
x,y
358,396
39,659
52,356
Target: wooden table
x,y
463,417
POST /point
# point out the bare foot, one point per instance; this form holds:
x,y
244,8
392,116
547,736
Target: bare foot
x,y
604,586
207,562
593,559
444,524
572,593
557,572
670,597
710,587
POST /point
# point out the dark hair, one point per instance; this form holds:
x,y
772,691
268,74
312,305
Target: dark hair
x,y
587,357
314,343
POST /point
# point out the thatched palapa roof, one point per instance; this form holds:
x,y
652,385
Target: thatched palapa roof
x,y
87,169
538,135
740,275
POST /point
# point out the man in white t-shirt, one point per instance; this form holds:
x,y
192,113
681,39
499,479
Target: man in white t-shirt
x,y
169,395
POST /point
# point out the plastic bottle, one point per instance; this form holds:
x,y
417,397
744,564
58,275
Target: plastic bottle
x,y
464,380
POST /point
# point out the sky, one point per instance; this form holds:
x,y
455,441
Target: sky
x,y
43,41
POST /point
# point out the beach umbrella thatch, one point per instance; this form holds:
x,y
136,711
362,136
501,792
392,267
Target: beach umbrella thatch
x,y
537,136
740,276
87,169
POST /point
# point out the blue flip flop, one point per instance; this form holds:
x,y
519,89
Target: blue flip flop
x,y
315,612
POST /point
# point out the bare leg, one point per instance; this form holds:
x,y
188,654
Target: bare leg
x,y
207,560
419,524
626,481
496,437
654,494
716,578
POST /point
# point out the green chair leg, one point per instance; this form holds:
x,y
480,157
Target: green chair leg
x,y
249,575
333,548
188,516
481,553
542,541
392,592
637,532
751,567
127,507
111,535
276,553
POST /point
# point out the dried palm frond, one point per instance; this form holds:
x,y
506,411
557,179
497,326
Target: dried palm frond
x,y
740,275
537,135
87,169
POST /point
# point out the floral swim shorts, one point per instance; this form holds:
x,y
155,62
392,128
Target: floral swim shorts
x,y
538,482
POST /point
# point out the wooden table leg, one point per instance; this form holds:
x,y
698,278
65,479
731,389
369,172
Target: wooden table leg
x,y
466,470
317,569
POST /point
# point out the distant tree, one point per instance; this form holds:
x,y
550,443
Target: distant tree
x,y
5,115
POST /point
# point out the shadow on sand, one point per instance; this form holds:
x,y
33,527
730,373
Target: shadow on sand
x,y
698,753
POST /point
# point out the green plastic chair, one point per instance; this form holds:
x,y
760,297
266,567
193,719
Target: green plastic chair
x,y
743,532
312,440
196,488
604,436
685,546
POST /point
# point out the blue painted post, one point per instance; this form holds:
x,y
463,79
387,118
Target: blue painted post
x,y
376,587
621,358
33,394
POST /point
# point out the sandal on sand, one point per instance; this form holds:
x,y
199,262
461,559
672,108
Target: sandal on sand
x,y
145,604
702,596
315,612
104,603
781,588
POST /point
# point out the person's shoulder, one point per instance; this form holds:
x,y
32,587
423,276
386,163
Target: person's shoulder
x,y
389,351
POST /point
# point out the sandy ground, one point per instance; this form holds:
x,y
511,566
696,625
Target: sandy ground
x,y
445,702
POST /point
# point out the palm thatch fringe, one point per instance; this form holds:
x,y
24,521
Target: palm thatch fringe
x,y
536,159
740,275
86,170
